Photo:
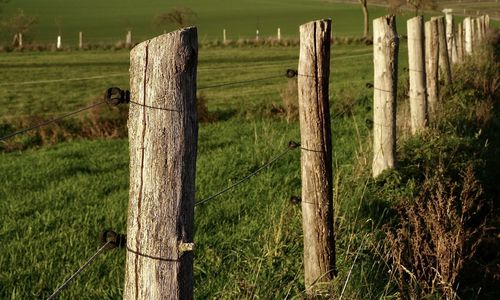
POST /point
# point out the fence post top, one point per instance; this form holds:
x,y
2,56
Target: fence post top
x,y
415,19
447,10
328,21
190,32
388,20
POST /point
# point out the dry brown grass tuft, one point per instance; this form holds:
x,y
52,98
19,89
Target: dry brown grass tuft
x,y
203,115
438,233
290,98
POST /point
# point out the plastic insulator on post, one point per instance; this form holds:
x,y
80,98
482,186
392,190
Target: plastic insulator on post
x,y
114,96
291,73
369,85
112,239
293,145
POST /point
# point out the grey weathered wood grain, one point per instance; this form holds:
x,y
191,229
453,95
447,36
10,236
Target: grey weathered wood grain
x,y
416,63
316,155
444,59
385,64
163,137
432,65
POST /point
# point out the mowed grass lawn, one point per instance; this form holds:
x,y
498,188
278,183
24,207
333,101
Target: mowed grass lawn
x,y
56,200
108,21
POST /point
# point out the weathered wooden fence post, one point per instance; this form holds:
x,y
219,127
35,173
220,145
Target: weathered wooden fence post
x,y
80,40
162,136
487,21
473,33
481,28
444,59
279,34
468,35
416,63
385,81
224,40
432,65
460,42
316,157
128,39
450,35
59,42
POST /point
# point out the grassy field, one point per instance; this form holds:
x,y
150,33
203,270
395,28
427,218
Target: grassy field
x,y
108,21
57,199
49,82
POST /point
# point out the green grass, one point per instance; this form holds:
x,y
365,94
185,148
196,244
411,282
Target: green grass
x,y
26,88
108,21
56,199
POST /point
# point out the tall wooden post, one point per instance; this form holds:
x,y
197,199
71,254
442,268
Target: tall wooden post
x,y
162,137
460,42
59,42
487,21
416,63
468,35
80,40
450,35
473,33
279,34
316,157
224,40
444,60
128,39
385,81
432,65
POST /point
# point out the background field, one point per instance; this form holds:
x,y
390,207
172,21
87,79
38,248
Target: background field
x,y
108,21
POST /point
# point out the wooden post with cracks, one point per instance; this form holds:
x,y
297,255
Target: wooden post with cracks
x,y
385,83
163,140
316,155
460,42
468,35
416,63
432,66
444,59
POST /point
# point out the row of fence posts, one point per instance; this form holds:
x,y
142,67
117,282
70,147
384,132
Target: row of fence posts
x,y
18,40
163,141
225,40
432,49
163,135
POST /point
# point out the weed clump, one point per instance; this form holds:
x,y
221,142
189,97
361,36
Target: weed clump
x,y
438,233
290,98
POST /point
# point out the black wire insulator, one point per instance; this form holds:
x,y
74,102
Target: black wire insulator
x,y
369,85
293,145
291,73
115,240
114,96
